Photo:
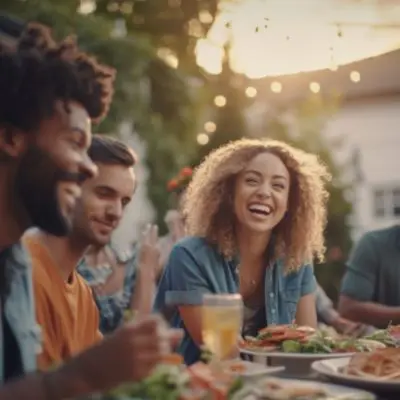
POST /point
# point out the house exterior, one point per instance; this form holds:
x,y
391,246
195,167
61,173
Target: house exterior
x,y
368,117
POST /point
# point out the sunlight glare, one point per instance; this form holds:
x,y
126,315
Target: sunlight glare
x,y
290,39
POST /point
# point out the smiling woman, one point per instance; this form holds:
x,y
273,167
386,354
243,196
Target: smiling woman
x,y
256,211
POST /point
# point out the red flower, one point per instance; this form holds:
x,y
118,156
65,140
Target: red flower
x,y
335,254
172,185
186,172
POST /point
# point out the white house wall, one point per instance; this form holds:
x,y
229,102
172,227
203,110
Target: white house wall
x,y
372,126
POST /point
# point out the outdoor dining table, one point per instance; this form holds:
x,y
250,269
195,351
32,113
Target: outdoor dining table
x,y
314,377
299,370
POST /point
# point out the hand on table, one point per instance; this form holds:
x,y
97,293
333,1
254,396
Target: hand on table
x,y
128,355
347,327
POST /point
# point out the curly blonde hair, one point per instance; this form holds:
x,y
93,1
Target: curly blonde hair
x,y
208,209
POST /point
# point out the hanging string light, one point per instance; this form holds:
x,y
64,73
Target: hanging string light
x,y
355,76
220,101
315,87
210,127
251,92
202,139
276,87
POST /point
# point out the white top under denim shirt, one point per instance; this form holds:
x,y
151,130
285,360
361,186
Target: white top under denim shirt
x,y
19,312
196,267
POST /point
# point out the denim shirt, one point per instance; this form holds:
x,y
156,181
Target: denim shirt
x,y
112,307
195,267
19,311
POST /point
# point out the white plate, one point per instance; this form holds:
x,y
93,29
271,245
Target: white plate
x,y
302,356
253,369
333,390
332,369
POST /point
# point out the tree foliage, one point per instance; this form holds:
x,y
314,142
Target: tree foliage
x,y
148,92
229,119
173,24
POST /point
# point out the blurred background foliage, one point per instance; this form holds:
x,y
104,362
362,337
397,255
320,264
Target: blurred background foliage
x,y
168,97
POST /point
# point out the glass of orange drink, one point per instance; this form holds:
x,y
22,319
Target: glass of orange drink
x,y
222,318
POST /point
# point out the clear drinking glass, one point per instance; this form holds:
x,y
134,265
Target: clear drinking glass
x,y
222,318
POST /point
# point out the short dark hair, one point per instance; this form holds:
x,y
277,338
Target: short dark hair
x,y
110,151
39,71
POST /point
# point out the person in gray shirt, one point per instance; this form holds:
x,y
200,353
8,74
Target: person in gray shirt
x,y
327,314
370,287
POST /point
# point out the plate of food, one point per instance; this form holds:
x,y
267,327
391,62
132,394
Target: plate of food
x,y
201,381
377,370
288,389
291,341
246,369
389,337
173,381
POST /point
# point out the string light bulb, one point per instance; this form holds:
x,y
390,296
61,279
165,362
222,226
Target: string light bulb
x,y
355,76
315,87
202,139
210,127
276,87
87,7
220,101
251,92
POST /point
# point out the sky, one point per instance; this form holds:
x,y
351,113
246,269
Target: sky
x,y
299,35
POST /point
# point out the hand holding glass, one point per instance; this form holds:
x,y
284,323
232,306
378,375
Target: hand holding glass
x,y
222,317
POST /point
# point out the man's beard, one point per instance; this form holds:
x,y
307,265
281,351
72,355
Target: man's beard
x,y
36,188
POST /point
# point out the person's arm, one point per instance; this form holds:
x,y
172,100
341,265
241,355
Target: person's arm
x,y
358,287
133,351
306,314
325,310
188,277
369,313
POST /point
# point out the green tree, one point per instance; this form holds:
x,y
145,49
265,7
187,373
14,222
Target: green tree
x,y
227,112
148,92
309,119
172,24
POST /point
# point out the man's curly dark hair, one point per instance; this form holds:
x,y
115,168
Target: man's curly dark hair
x,y
40,71
37,73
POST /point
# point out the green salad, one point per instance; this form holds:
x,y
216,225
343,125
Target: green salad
x,y
167,382
383,336
321,343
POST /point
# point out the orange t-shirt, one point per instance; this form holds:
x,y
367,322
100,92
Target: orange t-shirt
x,y
66,311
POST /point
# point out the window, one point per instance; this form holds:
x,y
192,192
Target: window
x,y
386,202
379,203
396,201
